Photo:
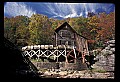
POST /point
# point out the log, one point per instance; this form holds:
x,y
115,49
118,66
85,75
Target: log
x,y
46,46
51,46
31,47
24,48
42,47
28,47
36,46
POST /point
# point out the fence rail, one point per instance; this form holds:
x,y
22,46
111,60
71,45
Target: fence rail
x,y
49,50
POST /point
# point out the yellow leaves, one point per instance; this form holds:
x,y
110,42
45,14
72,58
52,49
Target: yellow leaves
x,y
93,24
93,30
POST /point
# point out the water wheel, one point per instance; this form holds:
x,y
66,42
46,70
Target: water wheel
x,y
71,56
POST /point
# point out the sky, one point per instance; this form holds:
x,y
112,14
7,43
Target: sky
x,y
56,10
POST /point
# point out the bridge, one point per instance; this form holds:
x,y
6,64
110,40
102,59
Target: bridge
x,y
60,53
19,63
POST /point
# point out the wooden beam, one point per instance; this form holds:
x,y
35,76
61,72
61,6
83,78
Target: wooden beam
x,y
74,53
83,57
56,38
66,60
87,47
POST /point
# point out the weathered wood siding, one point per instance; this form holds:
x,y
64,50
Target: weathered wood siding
x,y
81,43
65,37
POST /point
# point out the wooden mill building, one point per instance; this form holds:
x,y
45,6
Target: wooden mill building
x,y
68,49
66,35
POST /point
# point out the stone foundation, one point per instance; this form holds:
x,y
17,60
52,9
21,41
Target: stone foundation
x,y
60,65
107,58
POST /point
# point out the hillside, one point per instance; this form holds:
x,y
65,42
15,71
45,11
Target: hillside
x,y
38,29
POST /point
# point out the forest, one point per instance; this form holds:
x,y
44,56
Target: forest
x,y
39,29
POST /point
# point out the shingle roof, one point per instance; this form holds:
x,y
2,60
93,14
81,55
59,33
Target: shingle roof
x,y
64,24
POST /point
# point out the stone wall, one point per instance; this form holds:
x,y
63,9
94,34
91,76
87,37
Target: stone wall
x,y
60,65
107,57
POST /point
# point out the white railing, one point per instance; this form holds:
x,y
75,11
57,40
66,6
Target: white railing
x,y
49,50
42,50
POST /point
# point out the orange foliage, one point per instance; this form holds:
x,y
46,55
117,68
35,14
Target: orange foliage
x,y
91,41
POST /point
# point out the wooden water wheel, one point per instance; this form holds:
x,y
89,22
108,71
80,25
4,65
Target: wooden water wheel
x,y
71,56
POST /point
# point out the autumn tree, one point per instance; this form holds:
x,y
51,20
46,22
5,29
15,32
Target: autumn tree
x,y
38,29
22,33
7,29
10,25
102,28
54,23
107,26
15,29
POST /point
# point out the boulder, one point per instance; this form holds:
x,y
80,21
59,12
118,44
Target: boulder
x,y
63,73
112,49
47,73
106,52
112,45
111,41
108,47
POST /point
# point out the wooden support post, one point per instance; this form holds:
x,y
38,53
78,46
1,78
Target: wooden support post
x,y
54,54
66,54
57,55
56,38
74,53
83,58
87,47
57,59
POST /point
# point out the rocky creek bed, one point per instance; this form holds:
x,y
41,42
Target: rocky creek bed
x,y
102,69
76,74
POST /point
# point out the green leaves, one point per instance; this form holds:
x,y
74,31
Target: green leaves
x,y
38,28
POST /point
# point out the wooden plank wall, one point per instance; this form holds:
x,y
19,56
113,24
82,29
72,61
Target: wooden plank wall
x,y
81,43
